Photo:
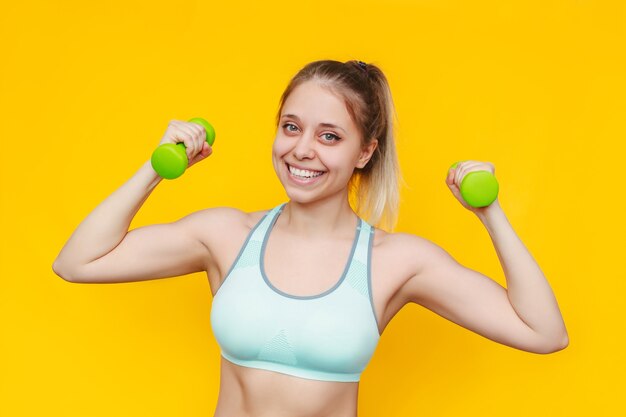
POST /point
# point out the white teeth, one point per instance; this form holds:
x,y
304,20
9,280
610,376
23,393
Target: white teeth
x,y
304,173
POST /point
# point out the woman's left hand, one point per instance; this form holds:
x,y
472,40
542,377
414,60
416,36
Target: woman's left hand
x,y
456,175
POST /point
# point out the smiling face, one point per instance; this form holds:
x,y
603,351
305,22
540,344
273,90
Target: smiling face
x,y
317,145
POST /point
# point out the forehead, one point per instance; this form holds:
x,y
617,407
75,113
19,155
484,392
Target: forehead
x,y
316,104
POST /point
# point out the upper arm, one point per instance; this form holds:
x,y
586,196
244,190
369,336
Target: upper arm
x,y
153,252
467,298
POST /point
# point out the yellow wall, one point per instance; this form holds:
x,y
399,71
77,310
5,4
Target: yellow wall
x,y
536,87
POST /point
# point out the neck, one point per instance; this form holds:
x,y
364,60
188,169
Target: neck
x,y
326,217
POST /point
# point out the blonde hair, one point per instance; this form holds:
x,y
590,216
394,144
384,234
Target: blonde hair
x,y
367,96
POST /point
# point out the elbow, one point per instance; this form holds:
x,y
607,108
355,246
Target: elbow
x,y
563,341
59,271
556,346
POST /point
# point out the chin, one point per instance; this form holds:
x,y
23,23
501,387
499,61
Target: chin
x,y
300,195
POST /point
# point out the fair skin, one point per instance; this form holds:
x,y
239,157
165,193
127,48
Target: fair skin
x,y
318,223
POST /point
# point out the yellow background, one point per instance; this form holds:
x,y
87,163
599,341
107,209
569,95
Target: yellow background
x,y
87,89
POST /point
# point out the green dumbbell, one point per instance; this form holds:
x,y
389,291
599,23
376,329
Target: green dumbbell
x,y
478,188
170,160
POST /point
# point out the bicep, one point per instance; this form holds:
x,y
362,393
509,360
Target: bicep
x,y
150,252
469,299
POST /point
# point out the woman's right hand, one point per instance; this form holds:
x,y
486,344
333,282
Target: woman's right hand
x,y
192,135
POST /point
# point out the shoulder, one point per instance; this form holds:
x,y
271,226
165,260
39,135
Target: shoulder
x,y
408,260
400,242
221,230
223,216
214,225
406,251
215,217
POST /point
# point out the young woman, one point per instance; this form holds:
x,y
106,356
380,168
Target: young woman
x,y
303,291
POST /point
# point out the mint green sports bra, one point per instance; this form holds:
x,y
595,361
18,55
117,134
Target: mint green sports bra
x,y
329,337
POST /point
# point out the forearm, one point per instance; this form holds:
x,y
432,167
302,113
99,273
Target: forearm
x,y
528,289
106,226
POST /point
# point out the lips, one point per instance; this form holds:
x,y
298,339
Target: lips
x,y
303,172
303,176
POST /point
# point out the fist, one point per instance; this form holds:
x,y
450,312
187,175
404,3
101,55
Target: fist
x,y
456,175
192,135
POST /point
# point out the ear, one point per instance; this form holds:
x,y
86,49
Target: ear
x,y
366,153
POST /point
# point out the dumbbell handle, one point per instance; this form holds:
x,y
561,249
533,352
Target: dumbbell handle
x,y
170,160
478,188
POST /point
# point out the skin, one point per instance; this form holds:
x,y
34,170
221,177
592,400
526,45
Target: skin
x,y
320,209
316,224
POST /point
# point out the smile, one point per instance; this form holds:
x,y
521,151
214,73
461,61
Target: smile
x,y
303,173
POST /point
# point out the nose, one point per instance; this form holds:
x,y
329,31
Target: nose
x,y
304,147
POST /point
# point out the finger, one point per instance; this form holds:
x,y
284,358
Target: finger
x,y
457,173
201,135
201,131
450,177
191,128
465,168
201,138
188,141
179,135
204,153
191,144
196,131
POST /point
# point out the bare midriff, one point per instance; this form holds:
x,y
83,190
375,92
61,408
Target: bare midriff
x,y
251,392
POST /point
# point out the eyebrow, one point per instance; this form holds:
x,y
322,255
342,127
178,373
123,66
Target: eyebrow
x,y
293,116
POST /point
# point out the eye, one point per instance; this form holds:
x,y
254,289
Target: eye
x,y
287,125
335,137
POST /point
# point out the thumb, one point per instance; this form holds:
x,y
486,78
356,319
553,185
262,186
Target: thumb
x,y
450,183
204,153
450,177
